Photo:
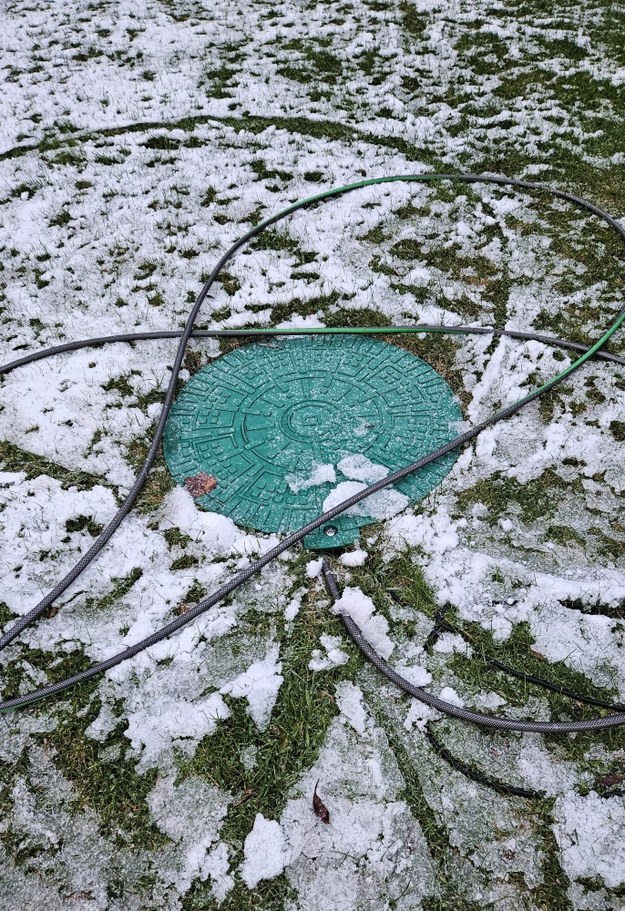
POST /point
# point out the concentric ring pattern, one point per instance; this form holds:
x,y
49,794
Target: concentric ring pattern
x,y
268,420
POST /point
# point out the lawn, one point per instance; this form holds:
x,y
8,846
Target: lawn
x,y
137,143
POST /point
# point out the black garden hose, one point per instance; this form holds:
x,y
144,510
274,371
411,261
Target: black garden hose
x,y
295,537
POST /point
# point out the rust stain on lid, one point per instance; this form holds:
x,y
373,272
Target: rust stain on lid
x,y
200,484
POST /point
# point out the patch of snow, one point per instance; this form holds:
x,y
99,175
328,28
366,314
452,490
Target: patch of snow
x,y
216,533
450,643
544,772
349,700
448,694
293,607
264,852
259,684
313,568
361,609
418,715
191,813
418,676
354,558
359,468
590,832
334,656
372,838
437,532
154,724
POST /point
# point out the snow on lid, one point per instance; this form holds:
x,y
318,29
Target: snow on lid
x,y
320,474
264,852
384,504
359,468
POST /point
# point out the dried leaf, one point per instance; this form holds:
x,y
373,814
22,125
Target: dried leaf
x,y
608,781
200,484
319,807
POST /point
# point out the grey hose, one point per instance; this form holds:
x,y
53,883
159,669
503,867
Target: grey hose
x,y
131,337
448,708
295,537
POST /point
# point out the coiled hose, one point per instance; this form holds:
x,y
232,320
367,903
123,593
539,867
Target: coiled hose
x,y
498,723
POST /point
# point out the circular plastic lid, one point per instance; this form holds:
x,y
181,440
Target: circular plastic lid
x,y
275,433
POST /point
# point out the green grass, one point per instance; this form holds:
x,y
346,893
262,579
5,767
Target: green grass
x,y
535,499
159,482
484,121
290,744
14,458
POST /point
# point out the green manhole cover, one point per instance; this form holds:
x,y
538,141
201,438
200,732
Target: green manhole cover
x,y
267,433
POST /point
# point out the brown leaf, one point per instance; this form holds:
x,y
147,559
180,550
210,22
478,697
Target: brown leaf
x,y
200,484
608,781
319,807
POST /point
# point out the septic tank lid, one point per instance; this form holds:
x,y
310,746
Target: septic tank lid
x,y
267,432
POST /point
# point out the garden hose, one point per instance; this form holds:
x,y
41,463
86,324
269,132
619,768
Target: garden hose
x,y
425,328
488,721
441,625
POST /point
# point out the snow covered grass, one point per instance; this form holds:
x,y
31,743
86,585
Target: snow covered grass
x,y
137,141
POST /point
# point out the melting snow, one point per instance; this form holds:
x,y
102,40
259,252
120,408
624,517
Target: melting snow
x,y
259,684
264,852
321,474
380,505
333,657
361,609
360,468
589,832
354,558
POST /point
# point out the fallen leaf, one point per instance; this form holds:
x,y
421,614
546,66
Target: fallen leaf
x,y
608,781
200,484
319,807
